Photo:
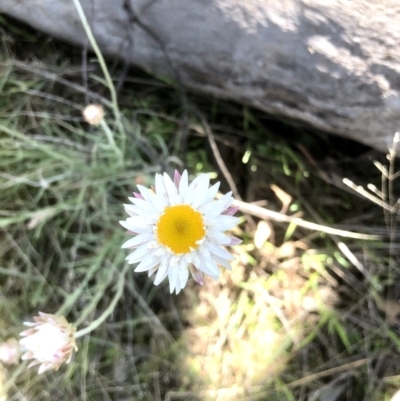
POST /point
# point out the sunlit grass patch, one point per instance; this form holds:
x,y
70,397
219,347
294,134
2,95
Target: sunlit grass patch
x,y
244,333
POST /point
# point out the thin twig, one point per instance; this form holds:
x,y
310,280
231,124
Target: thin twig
x,y
218,157
270,214
329,372
54,77
359,189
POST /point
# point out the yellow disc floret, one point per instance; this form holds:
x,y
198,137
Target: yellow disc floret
x,y
180,228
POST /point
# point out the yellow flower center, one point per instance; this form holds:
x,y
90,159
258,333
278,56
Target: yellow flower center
x,y
180,228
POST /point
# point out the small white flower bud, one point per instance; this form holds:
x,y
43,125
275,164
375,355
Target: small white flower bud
x,y
93,114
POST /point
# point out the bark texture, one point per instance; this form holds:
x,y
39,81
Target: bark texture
x,y
334,64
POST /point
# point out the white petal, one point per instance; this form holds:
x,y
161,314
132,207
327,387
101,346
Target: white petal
x,y
204,251
196,258
137,220
183,273
222,222
189,196
134,210
44,367
234,240
183,184
188,257
208,266
191,193
137,240
218,237
162,270
138,254
223,262
132,214
228,205
145,193
135,229
172,277
152,198
196,274
216,207
177,178
147,264
169,185
231,210
160,250
201,192
175,260
178,286
217,250
143,204
160,188
196,182
152,271
175,199
212,192
206,208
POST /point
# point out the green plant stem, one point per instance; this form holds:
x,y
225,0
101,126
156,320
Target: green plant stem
x,y
96,323
111,140
103,66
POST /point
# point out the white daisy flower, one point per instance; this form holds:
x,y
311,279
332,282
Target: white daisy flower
x,y
179,228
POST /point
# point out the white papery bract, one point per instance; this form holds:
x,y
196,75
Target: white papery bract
x,y
49,342
178,227
93,114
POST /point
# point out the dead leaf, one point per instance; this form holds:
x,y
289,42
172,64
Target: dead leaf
x,y
286,250
283,196
262,234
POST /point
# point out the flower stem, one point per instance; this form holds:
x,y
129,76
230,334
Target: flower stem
x,y
103,66
96,323
111,140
